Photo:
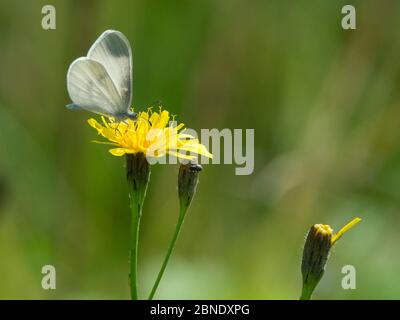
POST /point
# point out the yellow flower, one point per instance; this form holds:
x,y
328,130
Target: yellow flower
x,y
326,230
151,134
346,228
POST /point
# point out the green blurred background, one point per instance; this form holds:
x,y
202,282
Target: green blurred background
x,y
324,103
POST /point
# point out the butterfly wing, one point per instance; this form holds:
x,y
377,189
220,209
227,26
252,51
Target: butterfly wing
x,y
90,87
113,51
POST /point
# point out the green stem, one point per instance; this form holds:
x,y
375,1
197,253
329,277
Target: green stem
x,y
138,177
307,292
135,223
169,252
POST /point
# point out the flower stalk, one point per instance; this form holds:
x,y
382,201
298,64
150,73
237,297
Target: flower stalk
x,y
138,176
187,183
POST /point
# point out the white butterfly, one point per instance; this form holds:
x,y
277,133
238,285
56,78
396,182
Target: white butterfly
x,y
102,81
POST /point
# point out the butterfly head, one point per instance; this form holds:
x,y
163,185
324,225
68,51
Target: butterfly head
x,y
131,115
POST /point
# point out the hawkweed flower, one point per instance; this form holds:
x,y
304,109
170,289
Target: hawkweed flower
x,y
150,136
319,241
188,178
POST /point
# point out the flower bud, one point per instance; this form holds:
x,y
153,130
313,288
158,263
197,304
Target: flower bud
x,y
138,176
188,178
315,256
320,240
